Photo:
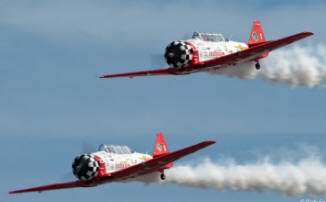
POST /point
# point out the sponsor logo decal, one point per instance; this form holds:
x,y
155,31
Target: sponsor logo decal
x,y
216,53
255,36
159,147
122,165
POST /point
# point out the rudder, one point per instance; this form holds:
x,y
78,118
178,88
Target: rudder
x,y
160,145
161,148
257,35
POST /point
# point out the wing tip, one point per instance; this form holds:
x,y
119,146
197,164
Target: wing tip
x,y
15,191
210,141
102,76
114,75
307,33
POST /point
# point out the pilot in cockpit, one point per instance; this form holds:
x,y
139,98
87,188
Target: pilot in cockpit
x,y
195,35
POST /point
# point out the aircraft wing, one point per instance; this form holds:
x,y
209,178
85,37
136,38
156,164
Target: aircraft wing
x,y
153,72
63,185
256,51
156,163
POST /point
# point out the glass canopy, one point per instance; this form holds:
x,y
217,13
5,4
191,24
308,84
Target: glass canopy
x,y
115,149
208,36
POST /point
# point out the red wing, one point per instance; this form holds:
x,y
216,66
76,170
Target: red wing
x,y
158,162
154,72
256,51
63,185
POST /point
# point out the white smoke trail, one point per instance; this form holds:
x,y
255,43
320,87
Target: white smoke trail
x,y
297,66
307,176
300,171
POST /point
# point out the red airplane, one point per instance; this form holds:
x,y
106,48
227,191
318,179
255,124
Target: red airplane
x,y
113,163
205,52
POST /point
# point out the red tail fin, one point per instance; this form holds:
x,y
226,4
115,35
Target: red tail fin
x,y
160,145
161,148
257,35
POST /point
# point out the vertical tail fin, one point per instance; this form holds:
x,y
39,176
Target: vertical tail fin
x,y
257,35
161,148
160,145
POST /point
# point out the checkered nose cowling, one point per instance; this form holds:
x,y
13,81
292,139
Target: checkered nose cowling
x,y
178,54
85,167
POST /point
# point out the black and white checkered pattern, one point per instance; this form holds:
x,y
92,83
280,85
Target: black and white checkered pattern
x,y
85,167
178,54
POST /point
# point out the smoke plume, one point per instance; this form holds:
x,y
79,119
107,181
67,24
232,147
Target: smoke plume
x,y
305,176
296,66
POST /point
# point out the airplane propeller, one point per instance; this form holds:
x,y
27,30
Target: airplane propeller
x,y
86,148
157,60
68,176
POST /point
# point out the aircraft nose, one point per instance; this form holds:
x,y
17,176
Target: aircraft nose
x,y
85,167
178,54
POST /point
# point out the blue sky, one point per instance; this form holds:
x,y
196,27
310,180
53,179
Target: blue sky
x,y
51,100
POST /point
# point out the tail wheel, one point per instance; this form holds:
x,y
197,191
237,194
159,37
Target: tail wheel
x,y
257,66
162,176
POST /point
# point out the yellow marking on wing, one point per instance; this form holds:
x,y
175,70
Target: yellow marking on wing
x,y
241,47
145,158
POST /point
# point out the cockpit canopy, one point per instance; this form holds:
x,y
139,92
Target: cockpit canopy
x,y
208,36
116,149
